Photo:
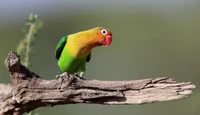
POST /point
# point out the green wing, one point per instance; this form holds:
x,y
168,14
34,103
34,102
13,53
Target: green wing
x,y
60,46
89,57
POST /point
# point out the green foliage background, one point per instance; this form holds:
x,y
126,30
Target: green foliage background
x,y
150,39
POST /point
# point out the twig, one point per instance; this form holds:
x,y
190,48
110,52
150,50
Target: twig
x,y
29,36
24,47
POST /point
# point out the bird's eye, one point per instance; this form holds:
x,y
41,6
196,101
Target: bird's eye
x,y
104,32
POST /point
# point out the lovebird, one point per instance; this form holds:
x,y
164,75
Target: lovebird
x,y
74,50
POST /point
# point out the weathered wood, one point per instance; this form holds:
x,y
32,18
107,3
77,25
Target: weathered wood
x,y
29,91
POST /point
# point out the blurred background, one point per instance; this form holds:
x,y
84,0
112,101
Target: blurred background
x,y
151,38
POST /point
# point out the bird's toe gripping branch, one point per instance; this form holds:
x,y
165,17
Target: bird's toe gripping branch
x,y
62,76
80,75
66,75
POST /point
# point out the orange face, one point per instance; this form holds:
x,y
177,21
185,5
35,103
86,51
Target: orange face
x,y
108,37
103,36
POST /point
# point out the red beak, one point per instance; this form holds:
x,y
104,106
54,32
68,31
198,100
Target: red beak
x,y
107,41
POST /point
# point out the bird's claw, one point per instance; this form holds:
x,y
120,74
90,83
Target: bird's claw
x,y
62,76
65,74
80,76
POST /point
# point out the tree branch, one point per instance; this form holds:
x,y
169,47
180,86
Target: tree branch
x,y
29,92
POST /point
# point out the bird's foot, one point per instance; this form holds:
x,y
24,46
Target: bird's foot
x,y
80,75
62,76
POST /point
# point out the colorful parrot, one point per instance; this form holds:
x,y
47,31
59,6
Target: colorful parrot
x,y
74,50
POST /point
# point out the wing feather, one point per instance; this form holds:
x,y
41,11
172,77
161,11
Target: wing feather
x,y
60,46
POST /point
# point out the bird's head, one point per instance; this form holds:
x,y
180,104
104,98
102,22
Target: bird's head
x,y
102,36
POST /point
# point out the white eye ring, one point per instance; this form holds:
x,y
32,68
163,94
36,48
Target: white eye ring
x,y
104,32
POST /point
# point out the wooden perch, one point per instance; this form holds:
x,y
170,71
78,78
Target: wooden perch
x,y
29,92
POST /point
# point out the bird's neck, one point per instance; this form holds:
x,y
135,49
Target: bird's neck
x,y
79,46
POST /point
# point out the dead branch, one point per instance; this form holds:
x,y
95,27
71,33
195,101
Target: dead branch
x,y
29,91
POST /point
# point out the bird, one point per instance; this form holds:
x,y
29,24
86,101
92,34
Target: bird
x,y
74,50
